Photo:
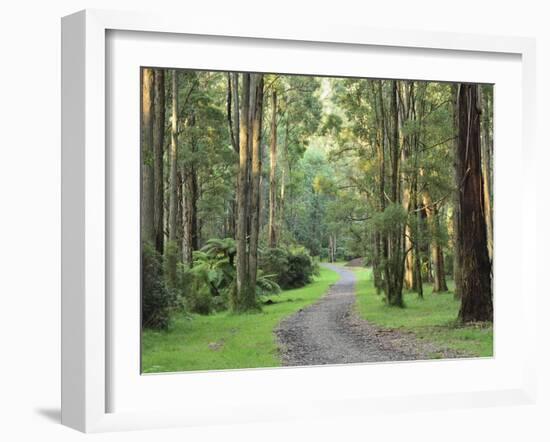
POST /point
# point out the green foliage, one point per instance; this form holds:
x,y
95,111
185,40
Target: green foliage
x,y
393,216
223,340
292,266
206,286
171,259
157,300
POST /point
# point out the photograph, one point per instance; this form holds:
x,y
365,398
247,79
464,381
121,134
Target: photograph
x,y
293,220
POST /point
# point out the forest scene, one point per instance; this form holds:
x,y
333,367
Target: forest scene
x,y
291,220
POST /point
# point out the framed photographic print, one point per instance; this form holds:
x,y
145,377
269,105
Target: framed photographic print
x,y
281,223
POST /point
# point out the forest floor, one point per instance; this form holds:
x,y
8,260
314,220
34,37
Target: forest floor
x,y
427,326
331,332
227,341
336,319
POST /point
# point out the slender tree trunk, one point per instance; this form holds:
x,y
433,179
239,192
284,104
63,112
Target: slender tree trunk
x,y
173,195
272,238
475,282
282,193
436,251
234,121
457,272
258,92
147,157
486,153
158,140
440,284
190,195
186,221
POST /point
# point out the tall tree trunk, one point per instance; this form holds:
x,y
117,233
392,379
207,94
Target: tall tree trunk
x,y
173,194
475,283
457,272
233,117
243,289
158,140
189,200
282,192
395,261
272,238
256,173
147,157
486,154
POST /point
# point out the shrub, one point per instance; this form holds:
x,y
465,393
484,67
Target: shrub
x,y
157,300
292,267
198,298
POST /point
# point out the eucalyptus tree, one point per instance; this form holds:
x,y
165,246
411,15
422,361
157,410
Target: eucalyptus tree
x,y
476,272
147,154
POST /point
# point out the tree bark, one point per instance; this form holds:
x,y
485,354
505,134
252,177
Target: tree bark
x,y
272,238
395,262
189,201
486,154
158,141
242,293
256,173
475,283
173,194
147,157
456,195
436,251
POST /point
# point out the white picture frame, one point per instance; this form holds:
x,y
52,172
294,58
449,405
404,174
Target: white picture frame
x,y
87,350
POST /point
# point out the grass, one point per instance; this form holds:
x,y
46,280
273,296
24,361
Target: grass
x,y
432,319
227,341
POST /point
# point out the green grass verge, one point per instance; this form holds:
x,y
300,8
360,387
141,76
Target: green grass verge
x,y
224,340
432,319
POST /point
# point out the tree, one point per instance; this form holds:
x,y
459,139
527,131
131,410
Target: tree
x,y
475,279
158,141
147,153
272,239
173,194
257,89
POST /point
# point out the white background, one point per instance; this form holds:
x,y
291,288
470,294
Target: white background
x,y
29,191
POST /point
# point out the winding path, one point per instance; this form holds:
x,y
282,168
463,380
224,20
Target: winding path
x,y
329,331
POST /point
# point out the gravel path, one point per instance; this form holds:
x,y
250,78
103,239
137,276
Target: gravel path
x,y
329,332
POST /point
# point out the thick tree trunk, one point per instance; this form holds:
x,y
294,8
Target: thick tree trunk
x,y
475,283
243,293
272,237
395,261
158,141
147,157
